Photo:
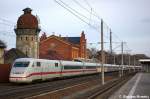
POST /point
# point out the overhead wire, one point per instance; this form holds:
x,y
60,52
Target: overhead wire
x,y
6,24
61,3
104,21
87,10
73,9
5,33
87,3
79,15
4,20
76,15
96,15
93,26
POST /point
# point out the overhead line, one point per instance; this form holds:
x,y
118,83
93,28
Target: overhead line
x,y
88,10
107,27
94,14
7,21
76,15
6,24
6,33
74,10
87,3
71,12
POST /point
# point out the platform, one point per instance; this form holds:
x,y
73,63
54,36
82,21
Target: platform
x,y
136,88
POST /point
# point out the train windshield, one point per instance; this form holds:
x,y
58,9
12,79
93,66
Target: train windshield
x,y
21,64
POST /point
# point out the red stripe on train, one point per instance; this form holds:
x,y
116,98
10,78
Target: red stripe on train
x,y
46,73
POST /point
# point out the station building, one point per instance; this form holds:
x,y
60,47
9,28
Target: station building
x,y
67,47
145,64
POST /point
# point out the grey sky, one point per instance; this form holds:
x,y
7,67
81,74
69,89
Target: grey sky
x,y
128,19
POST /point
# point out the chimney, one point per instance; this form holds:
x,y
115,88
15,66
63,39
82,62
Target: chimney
x,y
82,34
59,35
43,37
66,37
53,33
27,10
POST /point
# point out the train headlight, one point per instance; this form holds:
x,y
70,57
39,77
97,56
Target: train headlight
x,y
18,72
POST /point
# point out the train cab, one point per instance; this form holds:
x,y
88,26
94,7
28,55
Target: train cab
x,y
19,70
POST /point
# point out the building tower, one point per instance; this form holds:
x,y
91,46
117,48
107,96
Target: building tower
x,y
2,49
83,46
27,34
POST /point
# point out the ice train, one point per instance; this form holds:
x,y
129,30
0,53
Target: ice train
x,y
26,70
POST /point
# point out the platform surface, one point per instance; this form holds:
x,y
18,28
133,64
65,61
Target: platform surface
x,y
136,88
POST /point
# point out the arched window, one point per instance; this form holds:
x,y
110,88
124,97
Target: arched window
x,y
32,38
21,38
26,38
26,51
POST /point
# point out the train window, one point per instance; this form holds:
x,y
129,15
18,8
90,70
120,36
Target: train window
x,y
56,64
21,64
90,67
33,65
38,64
72,67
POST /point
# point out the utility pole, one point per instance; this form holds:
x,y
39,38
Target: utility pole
x,y
129,59
110,47
102,53
129,62
114,59
121,59
134,63
134,60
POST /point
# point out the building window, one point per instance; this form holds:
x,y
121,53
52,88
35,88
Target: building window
x,y
21,38
26,53
32,38
26,38
72,54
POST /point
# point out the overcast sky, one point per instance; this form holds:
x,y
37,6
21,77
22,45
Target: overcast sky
x,y
128,19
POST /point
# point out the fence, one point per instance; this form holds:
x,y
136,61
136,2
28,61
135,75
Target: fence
x,y
4,72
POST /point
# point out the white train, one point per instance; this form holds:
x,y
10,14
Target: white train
x,y
26,70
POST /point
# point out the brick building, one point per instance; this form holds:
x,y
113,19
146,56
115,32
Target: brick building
x,y
67,48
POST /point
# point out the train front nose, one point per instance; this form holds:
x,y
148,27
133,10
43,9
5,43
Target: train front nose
x,y
19,71
17,78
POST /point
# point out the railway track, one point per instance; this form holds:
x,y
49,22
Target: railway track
x,y
24,91
103,92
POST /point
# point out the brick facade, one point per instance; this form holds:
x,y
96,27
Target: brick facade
x,y
67,47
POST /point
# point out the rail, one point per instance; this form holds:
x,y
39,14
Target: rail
x,y
105,91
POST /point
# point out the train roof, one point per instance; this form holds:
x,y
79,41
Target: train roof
x,y
144,60
24,59
31,59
